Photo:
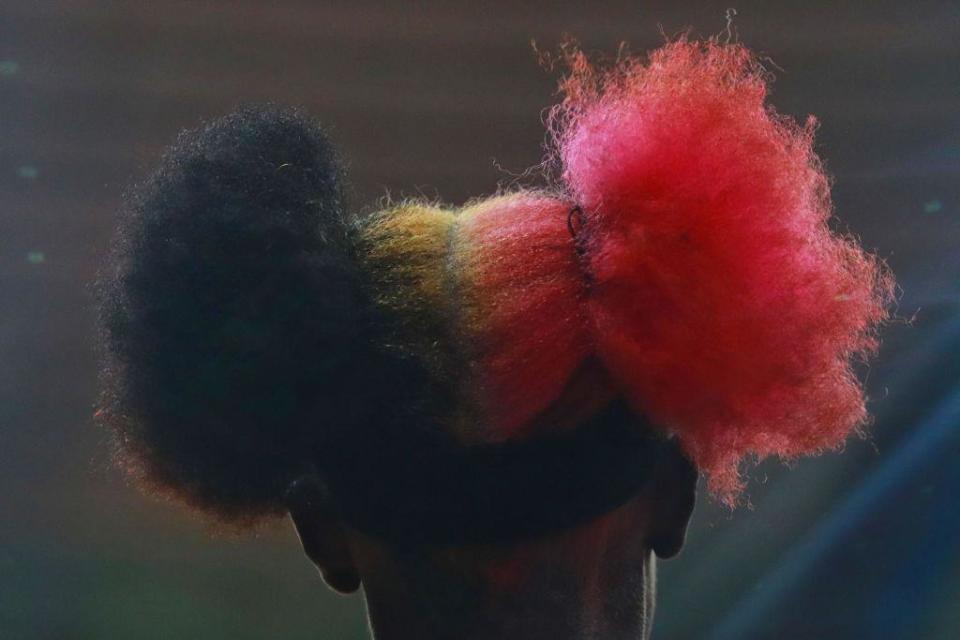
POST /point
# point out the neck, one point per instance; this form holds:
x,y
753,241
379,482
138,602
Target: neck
x,y
594,582
547,611
589,592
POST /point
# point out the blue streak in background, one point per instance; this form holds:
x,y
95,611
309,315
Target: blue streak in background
x,y
936,435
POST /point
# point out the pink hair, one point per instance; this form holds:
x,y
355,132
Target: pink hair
x,y
710,287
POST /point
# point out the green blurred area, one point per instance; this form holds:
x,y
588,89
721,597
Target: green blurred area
x,y
248,590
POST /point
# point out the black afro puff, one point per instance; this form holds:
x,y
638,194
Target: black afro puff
x,y
236,331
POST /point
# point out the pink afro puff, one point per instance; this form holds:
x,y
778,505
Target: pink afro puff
x,y
720,301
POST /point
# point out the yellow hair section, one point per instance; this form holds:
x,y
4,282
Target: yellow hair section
x,y
421,261
405,251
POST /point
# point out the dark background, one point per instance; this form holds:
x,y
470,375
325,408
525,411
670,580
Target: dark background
x,y
445,99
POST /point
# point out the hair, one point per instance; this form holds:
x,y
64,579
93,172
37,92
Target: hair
x,y
238,336
683,261
724,305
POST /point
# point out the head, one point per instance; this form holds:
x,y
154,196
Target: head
x,y
492,417
595,579
238,292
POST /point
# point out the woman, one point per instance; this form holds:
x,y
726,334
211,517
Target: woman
x,y
493,417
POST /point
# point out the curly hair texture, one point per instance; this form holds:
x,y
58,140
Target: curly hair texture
x,y
252,328
704,275
723,304
233,316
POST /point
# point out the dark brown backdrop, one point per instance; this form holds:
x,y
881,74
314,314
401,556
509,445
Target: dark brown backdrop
x,y
436,98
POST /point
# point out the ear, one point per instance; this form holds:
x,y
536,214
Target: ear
x,y
674,493
322,534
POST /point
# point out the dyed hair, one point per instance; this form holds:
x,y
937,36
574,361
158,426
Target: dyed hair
x,y
703,275
682,261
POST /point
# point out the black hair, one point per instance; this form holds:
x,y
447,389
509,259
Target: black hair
x,y
235,327
243,349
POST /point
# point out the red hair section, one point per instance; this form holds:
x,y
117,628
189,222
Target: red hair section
x,y
524,306
721,303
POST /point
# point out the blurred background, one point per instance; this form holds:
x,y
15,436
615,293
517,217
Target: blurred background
x,y
445,99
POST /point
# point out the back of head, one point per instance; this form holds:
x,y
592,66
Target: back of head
x,y
262,348
495,403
